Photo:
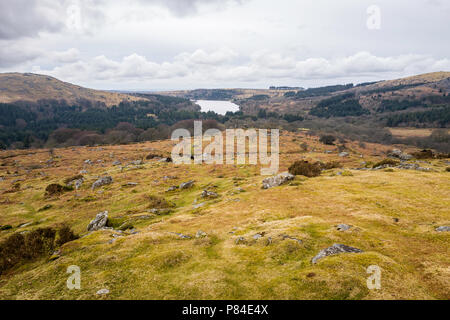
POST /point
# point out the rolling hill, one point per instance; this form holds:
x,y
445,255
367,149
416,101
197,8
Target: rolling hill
x,y
33,87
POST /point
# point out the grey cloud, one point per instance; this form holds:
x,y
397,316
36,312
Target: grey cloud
x,y
12,54
182,8
26,18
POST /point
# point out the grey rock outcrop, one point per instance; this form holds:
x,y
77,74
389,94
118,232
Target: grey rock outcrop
x,y
277,180
186,185
343,227
209,194
102,292
200,234
103,181
443,229
396,153
333,250
98,222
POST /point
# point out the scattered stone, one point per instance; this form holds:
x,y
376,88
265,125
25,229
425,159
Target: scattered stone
x,y
396,153
343,227
269,241
83,172
344,154
277,180
187,185
102,182
333,250
116,163
89,162
412,166
285,236
209,194
137,162
240,240
78,184
24,225
259,235
443,229
131,184
197,206
98,222
160,212
182,236
173,188
102,292
200,234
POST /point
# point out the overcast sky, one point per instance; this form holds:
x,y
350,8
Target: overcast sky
x,y
187,44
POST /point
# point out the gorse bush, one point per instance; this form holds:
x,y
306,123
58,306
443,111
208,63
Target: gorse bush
x,y
424,154
56,189
304,168
20,248
328,140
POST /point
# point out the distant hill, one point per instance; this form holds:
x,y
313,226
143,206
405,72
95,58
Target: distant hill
x,y
33,87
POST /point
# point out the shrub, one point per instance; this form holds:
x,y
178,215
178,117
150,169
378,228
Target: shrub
x,y
330,165
328,140
158,202
56,189
424,154
7,227
65,234
304,146
304,168
153,156
20,248
386,162
447,169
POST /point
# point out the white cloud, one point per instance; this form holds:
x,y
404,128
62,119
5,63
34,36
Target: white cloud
x,y
223,65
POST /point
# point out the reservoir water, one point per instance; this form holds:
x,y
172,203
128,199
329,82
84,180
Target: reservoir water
x,y
220,107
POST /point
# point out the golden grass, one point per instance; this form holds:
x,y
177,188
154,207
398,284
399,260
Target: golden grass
x,y
33,87
157,264
410,132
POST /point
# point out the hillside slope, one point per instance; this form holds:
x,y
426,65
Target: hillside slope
x,y
34,87
254,244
